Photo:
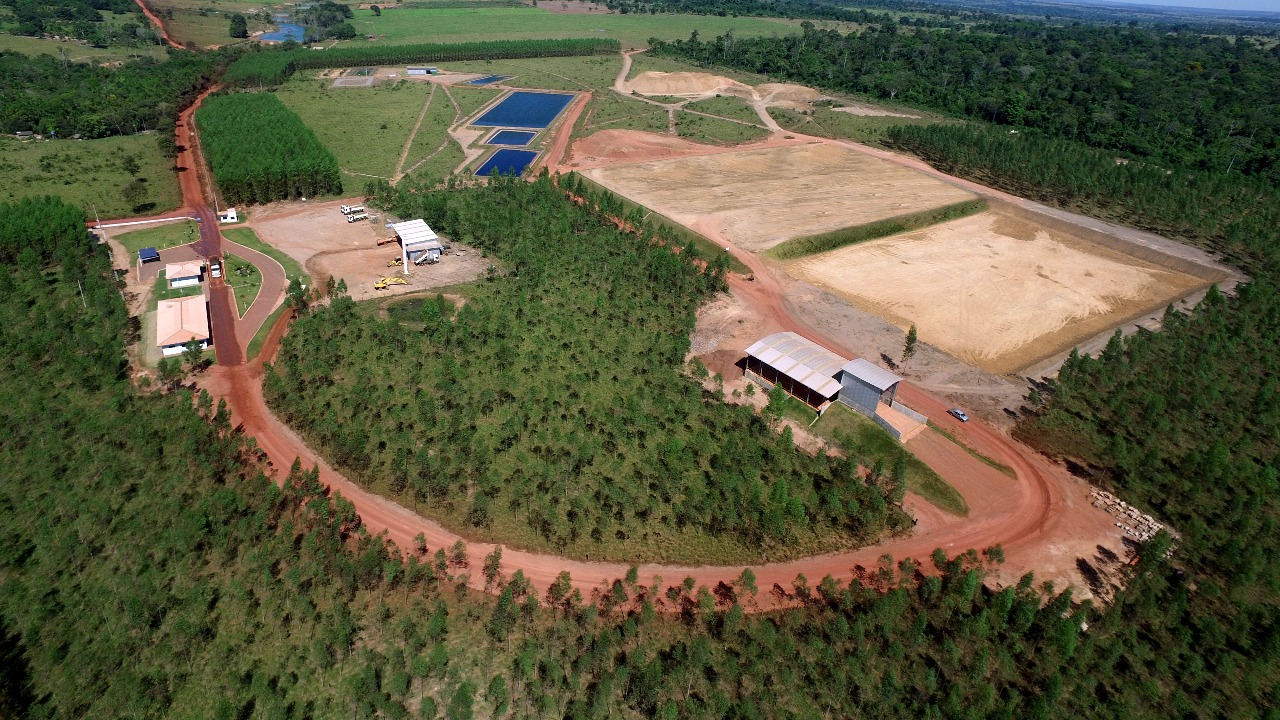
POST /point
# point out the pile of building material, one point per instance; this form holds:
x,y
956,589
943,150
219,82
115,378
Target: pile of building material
x,y
1135,523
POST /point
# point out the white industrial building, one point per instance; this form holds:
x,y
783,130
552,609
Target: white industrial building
x,y
417,242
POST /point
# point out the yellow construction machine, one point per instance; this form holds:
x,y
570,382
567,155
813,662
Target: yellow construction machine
x,y
388,281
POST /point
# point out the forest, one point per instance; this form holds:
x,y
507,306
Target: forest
x,y
260,151
68,17
559,389
273,67
149,569
44,95
1192,101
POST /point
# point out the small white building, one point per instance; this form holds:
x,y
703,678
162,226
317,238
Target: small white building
x,y
180,321
228,216
417,240
183,274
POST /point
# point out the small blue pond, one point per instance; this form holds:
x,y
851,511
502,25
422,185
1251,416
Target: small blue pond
x,y
531,110
507,161
488,80
287,31
511,137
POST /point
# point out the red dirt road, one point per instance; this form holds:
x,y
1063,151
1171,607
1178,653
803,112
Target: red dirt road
x,y
164,34
1040,518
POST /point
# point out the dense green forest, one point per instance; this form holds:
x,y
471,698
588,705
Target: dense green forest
x,y
552,410
147,569
274,66
77,18
1194,101
46,95
260,151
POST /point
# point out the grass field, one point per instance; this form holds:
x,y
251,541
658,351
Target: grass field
x,y
161,236
632,30
726,106
89,173
433,154
714,131
837,124
365,128
207,23
76,52
245,281
248,238
849,430
255,345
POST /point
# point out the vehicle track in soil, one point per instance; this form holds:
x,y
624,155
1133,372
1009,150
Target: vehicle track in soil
x,y
1018,515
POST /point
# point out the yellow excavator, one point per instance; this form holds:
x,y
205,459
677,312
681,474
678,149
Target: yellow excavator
x,y
397,262
385,282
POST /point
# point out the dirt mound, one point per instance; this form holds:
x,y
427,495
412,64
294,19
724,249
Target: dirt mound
x,y
686,83
786,92
631,146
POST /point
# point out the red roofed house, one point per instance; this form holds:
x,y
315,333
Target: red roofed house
x,y
180,321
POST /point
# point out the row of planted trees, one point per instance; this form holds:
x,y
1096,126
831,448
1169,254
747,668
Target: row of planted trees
x,y
273,67
260,151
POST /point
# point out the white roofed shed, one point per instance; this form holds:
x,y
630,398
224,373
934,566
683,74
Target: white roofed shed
x,y
805,369
416,237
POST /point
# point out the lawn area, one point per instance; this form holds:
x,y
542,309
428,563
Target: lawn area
x,y
714,131
611,111
161,291
568,73
473,24
365,128
248,238
848,430
726,106
91,173
160,236
245,281
471,99
255,345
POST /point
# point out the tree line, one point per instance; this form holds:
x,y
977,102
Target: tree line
x,y
553,405
41,94
1192,101
260,151
266,67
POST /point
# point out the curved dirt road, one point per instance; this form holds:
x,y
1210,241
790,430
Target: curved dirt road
x,y
164,34
1022,514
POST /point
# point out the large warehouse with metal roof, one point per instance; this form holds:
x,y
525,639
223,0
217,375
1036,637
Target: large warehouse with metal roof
x,y
819,377
802,367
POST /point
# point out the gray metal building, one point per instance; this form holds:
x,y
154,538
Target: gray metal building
x,y
864,386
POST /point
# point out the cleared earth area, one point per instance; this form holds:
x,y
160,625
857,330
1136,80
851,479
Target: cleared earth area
x,y
760,197
997,289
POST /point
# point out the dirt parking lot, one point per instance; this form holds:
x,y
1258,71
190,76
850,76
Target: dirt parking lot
x,y
996,289
318,236
758,198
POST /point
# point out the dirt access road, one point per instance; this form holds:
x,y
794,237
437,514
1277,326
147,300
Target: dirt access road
x,y
1025,517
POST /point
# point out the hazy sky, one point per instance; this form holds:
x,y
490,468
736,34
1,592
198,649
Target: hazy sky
x,y
1272,5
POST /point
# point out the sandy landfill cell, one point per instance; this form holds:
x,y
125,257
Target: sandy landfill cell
x,y
759,198
995,289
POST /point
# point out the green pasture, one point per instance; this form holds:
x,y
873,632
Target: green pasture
x,y
726,106
75,52
365,128
715,131
474,24
90,173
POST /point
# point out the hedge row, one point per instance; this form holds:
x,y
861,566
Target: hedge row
x,y
272,67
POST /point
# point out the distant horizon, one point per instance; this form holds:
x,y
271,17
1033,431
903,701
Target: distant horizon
x,y
1252,5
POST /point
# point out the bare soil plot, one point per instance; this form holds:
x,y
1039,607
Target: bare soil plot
x,y
997,289
318,236
760,197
